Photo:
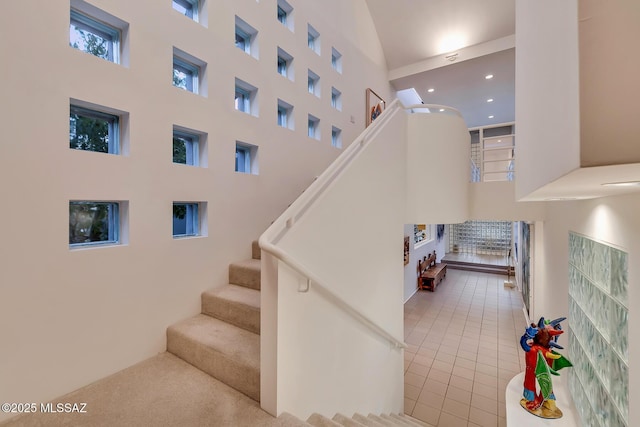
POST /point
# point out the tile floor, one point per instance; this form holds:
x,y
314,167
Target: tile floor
x,y
463,350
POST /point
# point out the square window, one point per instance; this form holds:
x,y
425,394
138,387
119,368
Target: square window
x,y
185,75
186,221
186,148
245,95
336,99
313,127
284,63
93,223
285,114
246,38
284,10
94,37
313,39
313,83
336,137
246,158
336,60
92,130
188,8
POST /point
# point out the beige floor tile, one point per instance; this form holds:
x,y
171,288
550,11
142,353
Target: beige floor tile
x,y
486,369
411,392
427,352
485,379
435,387
422,360
429,398
448,420
418,369
458,394
465,363
484,403
463,383
465,354
464,372
485,390
443,366
456,408
482,418
414,379
409,405
440,376
426,413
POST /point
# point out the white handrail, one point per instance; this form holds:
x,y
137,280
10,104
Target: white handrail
x,y
291,215
280,226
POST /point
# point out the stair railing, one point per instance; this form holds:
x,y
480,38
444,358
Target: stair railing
x,y
269,239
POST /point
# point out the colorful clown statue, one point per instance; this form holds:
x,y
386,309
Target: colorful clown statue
x,y
542,362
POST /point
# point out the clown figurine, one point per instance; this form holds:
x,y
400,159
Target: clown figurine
x,y
541,363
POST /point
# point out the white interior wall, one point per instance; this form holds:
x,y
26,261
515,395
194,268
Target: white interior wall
x,y
416,254
547,105
71,317
613,220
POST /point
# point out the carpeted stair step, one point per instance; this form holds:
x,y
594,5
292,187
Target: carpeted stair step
x,y
366,421
234,304
255,250
398,420
414,421
318,420
287,420
382,421
245,273
222,350
346,422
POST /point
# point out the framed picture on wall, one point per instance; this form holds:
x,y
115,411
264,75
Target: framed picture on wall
x,y
406,250
375,106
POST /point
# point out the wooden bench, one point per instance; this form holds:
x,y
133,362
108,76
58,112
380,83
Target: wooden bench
x,y
430,273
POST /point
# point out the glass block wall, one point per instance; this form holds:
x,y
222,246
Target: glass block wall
x,y
481,237
598,337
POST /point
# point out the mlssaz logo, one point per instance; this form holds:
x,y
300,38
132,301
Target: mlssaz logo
x,y
80,408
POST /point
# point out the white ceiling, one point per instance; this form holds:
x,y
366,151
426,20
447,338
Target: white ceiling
x,y
417,34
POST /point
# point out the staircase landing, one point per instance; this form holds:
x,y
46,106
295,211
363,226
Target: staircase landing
x,y
161,391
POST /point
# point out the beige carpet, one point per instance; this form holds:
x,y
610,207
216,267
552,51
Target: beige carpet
x,y
161,391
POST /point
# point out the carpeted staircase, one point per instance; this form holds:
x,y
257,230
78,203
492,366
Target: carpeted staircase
x,y
222,341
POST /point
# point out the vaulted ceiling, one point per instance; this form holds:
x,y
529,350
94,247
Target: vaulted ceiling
x,y
418,35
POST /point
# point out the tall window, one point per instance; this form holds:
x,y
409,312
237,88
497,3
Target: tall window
x,y
246,158
336,60
245,98
336,99
313,39
92,130
313,127
93,37
284,10
285,112
186,148
185,75
93,223
246,37
185,220
284,63
313,83
336,137
188,8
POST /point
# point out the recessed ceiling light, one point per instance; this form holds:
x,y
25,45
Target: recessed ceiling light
x,y
442,109
622,184
490,100
488,76
430,90
491,117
